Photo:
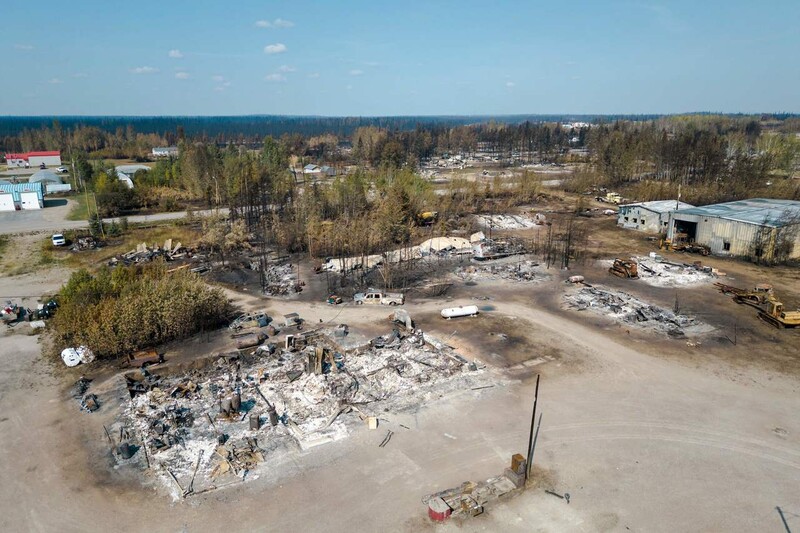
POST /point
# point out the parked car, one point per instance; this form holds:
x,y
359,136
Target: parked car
x,y
58,240
374,296
62,170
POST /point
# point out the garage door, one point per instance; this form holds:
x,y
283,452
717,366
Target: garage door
x,y
6,202
29,200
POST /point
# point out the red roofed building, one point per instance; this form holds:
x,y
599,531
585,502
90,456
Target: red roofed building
x,y
33,159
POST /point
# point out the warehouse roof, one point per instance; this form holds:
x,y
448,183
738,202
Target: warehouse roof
x,y
16,188
762,211
26,155
660,206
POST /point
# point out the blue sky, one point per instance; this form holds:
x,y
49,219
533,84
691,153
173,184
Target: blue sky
x,y
398,58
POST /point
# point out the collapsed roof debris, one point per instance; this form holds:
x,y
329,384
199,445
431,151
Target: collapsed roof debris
x,y
223,420
279,280
516,271
511,221
660,273
628,309
144,254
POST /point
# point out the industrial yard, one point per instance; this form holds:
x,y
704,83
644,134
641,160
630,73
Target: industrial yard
x,y
443,403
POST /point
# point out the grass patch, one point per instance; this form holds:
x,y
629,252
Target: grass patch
x,y
80,211
23,256
114,246
3,245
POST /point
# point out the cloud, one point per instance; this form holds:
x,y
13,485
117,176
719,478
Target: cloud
x,y
510,84
282,23
277,23
182,76
221,87
54,81
275,77
175,53
287,68
314,75
277,48
144,70
356,72
23,47
218,78
80,75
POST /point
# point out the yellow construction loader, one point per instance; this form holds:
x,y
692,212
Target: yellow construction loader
x,y
763,298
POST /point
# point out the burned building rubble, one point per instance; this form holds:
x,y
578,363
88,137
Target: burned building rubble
x,y
628,309
209,427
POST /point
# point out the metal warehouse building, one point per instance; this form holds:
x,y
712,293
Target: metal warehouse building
x,y
648,216
15,196
745,228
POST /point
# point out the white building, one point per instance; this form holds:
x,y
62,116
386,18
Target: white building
x,y
165,151
125,173
652,217
33,159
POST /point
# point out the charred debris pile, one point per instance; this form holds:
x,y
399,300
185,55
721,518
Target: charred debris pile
x,y
210,427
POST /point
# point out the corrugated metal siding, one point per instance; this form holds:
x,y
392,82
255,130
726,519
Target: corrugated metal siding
x,y
715,232
652,219
16,188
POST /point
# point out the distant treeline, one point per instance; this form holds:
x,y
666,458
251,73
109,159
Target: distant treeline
x,y
258,126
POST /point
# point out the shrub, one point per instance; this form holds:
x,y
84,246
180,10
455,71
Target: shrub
x,y
121,310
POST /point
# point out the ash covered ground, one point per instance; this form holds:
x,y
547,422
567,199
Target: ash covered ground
x,y
198,431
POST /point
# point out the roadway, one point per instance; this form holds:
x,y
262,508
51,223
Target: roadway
x,y
53,218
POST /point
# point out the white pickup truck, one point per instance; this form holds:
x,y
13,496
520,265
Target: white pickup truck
x,y
374,296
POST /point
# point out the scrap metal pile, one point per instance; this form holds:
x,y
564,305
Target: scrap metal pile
x,y
667,274
629,309
517,271
212,426
86,242
500,221
280,280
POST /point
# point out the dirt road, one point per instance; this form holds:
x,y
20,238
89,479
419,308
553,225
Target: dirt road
x,y
641,443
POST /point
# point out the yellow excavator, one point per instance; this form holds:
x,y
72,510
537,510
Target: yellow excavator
x,y
763,298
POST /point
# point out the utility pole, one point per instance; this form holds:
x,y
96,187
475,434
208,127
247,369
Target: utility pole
x,y
529,457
